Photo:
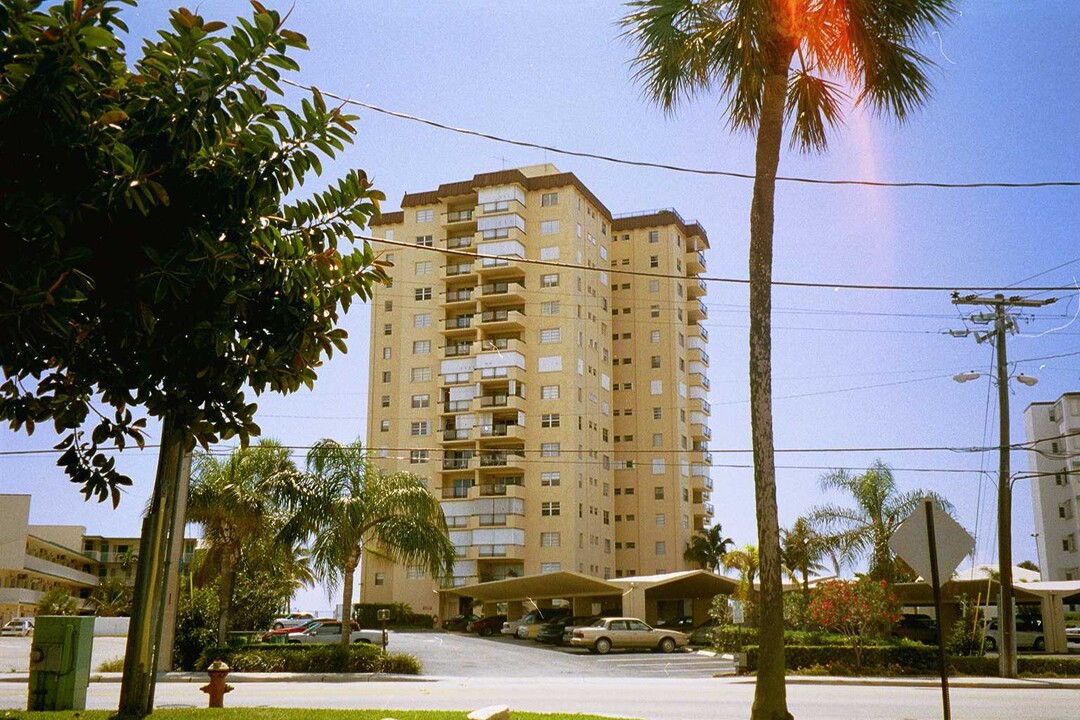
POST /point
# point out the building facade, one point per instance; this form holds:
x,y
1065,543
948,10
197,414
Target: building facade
x,y
541,365
35,559
1055,489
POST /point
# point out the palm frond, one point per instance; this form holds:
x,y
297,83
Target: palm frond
x,y
813,107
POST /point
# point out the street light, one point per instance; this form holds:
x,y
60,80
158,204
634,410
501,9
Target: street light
x,y
966,377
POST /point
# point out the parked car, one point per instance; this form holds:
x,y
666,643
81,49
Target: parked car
x,y
1029,634
684,623
292,620
487,626
284,632
19,627
917,627
459,622
703,633
330,632
530,626
1072,636
537,616
608,634
555,631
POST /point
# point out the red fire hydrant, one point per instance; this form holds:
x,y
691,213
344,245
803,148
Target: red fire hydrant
x,y
217,686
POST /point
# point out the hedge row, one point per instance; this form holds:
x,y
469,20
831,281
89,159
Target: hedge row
x,y
401,615
905,659
311,659
902,659
731,638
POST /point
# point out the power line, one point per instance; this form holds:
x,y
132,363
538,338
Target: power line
x,y
723,280
679,168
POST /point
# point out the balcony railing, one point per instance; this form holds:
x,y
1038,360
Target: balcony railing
x,y
459,269
490,316
455,463
450,493
456,433
501,288
497,430
458,349
487,401
499,459
459,295
490,550
459,322
455,243
459,216
454,406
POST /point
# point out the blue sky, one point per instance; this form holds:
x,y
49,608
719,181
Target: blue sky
x,y
1004,108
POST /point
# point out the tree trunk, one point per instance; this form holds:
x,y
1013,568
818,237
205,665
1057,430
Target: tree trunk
x,y
346,598
137,684
770,696
225,593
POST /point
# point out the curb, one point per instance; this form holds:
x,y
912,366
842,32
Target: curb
x,y
242,677
954,682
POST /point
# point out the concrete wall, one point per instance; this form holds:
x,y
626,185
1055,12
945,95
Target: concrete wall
x,y
14,514
115,626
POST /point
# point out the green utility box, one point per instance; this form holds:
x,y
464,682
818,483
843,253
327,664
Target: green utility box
x,y
60,662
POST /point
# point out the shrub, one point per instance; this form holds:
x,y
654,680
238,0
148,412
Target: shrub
x,y
858,609
311,659
401,615
899,659
113,665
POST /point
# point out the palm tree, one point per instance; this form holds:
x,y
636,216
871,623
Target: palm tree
x,y
773,59
863,531
112,598
349,508
708,548
235,499
746,561
801,550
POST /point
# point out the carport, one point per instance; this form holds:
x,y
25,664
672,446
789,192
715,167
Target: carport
x,y
632,596
642,594
1051,597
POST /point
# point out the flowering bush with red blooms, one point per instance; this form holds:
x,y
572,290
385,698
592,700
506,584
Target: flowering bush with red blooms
x,y
855,608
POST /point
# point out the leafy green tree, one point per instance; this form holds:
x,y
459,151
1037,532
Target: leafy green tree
x,y
235,500
707,548
777,60
111,598
349,508
802,550
863,531
745,561
152,262
57,601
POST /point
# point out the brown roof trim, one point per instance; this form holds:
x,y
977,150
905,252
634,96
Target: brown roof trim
x,y
390,218
503,177
661,217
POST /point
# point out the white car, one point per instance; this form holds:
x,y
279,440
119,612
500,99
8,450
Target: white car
x,y
292,620
330,632
1029,634
19,627
607,634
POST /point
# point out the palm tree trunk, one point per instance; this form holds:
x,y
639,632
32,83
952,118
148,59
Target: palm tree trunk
x,y
346,598
770,697
225,592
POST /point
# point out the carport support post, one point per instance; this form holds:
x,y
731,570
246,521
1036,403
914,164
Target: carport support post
x,y
935,582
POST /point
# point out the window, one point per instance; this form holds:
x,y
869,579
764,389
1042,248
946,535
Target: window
x,y
607,518
418,457
421,320
658,440
549,308
658,466
657,413
421,347
656,387
654,261
549,392
386,353
386,401
654,337
654,361
421,374
380,578
420,429
413,572
550,479
654,236
549,281
388,305
549,227
549,420
425,216
424,240
384,426
654,286
549,449
387,329
550,539
425,267
549,253
421,401
654,311
550,335
386,376
549,199
423,293
658,492
550,509
550,567
660,520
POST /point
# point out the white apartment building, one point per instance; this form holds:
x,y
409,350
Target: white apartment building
x,y
1054,427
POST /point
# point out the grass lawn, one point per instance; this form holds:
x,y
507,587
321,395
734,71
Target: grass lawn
x,y
286,714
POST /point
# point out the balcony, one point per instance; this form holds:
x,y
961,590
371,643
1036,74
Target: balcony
x,y
505,431
509,319
514,460
461,242
458,349
696,289
499,489
699,355
452,464
703,333
458,325
456,406
695,262
56,570
456,217
502,292
697,378
697,312
460,269
457,434
498,551
458,492
502,344
461,295
700,405
513,402
700,430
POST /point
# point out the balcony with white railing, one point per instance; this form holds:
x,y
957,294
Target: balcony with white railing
x,y
56,570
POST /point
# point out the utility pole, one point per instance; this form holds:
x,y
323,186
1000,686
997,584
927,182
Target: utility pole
x,y
1004,323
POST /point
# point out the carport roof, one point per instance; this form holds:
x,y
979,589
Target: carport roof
x,y
688,583
563,584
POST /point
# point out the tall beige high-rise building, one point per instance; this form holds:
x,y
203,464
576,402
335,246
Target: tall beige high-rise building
x,y
541,364
1054,428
